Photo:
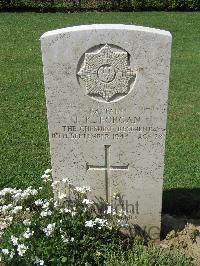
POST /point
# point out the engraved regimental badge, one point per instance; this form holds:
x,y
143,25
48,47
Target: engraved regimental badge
x,y
105,73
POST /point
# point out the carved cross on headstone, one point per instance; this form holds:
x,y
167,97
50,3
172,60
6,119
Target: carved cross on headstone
x,y
107,167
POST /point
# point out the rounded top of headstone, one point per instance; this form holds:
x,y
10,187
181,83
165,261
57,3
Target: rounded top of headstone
x,y
105,27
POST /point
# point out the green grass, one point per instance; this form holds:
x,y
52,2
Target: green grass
x,y
24,135
141,255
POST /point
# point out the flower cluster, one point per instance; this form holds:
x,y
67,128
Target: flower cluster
x,y
97,221
33,221
67,240
18,248
87,202
38,261
82,190
47,175
17,194
49,229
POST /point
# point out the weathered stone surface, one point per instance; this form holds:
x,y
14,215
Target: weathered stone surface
x,y
106,90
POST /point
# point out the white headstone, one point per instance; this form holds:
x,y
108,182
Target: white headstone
x,y
106,91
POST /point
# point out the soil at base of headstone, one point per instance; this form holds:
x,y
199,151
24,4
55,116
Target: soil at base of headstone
x,y
182,234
